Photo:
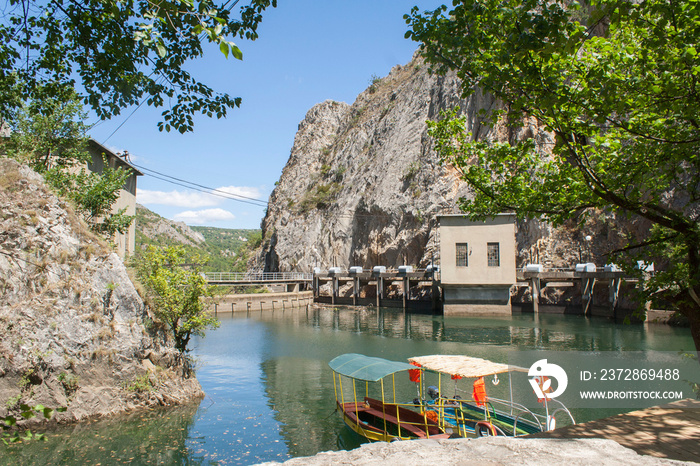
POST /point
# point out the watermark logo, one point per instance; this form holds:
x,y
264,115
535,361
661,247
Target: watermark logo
x,y
541,374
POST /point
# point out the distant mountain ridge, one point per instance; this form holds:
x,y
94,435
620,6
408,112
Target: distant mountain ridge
x,y
151,228
228,249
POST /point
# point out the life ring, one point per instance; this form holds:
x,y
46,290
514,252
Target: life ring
x,y
484,427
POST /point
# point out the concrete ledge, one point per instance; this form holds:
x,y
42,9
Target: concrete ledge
x,y
456,310
486,450
659,317
261,302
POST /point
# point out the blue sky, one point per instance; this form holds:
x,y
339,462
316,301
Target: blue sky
x,y
308,52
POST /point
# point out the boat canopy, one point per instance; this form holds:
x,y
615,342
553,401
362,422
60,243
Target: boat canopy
x,y
464,366
361,367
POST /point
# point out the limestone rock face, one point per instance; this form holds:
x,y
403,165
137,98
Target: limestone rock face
x,y
363,185
72,326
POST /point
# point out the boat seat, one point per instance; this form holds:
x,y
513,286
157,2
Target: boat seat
x,y
417,430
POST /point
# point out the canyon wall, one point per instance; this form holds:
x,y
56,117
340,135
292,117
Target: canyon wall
x,y
363,185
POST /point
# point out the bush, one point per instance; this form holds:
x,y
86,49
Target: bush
x,y
177,289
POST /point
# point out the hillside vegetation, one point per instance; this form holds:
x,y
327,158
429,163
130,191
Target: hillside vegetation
x,y
228,250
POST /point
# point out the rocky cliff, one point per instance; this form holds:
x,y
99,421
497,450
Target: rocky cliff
x,y
152,228
363,185
73,330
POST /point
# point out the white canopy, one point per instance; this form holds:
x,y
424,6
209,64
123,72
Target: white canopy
x,y
464,366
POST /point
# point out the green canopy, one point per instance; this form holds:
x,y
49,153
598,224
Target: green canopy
x,y
361,367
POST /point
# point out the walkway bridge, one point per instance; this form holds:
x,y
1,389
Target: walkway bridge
x,y
290,281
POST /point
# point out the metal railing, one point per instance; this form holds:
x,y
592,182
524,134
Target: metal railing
x,y
257,276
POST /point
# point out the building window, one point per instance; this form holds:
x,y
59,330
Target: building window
x,y
493,254
462,255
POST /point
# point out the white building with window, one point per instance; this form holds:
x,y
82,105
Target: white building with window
x,y
477,262
125,242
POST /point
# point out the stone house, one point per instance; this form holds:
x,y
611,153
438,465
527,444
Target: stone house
x,y
477,262
127,196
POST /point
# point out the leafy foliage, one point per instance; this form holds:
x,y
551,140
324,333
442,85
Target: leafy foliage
x,y
121,53
177,291
94,194
227,249
9,423
70,382
616,85
320,196
140,384
50,135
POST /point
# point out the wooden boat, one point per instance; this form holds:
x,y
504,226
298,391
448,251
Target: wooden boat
x,y
372,418
480,414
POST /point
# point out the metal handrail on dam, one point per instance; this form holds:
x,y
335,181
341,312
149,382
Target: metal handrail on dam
x,y
257,277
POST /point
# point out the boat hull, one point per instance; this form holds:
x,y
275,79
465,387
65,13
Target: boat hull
x,y
377,421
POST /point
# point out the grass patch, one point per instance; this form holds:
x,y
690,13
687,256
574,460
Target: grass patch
x,y
320,197
140,384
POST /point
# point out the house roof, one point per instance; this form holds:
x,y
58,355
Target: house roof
x,y
120,160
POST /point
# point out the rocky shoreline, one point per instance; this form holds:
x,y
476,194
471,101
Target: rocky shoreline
x,y
495,451
74,331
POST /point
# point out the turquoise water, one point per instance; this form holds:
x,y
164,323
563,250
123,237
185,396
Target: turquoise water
x,y
270,392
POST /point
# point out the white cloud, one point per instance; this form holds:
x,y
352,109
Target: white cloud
x,y
244,191
193,199
176,198
200,217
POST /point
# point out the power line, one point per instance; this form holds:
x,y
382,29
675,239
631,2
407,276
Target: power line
x,y
240,197
210,191
213,190
249,200
125,120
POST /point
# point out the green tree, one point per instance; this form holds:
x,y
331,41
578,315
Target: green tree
x,y
50,135
94,194
177,291
616,84
118,53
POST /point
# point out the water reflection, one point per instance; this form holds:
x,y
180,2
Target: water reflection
x,y
270,391
531,331
303,404
158,436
